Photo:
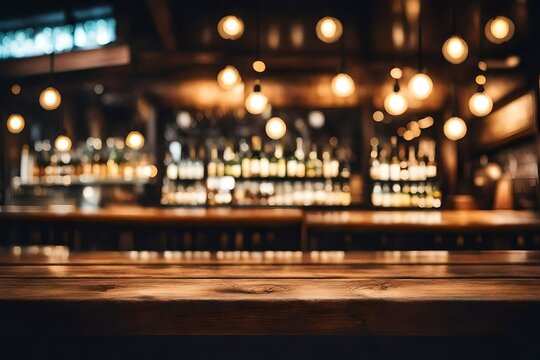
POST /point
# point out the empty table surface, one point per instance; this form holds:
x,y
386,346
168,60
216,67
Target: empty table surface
x,y
50,290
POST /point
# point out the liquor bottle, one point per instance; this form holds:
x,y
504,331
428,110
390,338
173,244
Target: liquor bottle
x,y
264,163
171,167
281,163
292,163
300,158
212,166
395,167
384,166
334,165
404,169
273,164
422,166
255,160
374,164
245,156
431,171
326,164
413,165
314,165
236,167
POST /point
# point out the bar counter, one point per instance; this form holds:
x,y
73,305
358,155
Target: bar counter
x,y
446,220
48,290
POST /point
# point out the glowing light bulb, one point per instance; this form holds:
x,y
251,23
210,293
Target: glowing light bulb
x,y
275,128
230,27
455,128
396,73
455,50
62,143
259,66
378,116
50,98
228,77
316,119
420,85
329,29
15,123
343,85
480,104
395,103
256,101
499,29
135,140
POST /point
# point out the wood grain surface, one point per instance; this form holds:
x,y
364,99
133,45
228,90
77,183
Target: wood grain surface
x,y
49,290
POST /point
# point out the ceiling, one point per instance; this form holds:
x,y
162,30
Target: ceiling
x,y
178,52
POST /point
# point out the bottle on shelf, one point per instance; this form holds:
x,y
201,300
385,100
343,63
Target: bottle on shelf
x,y
395,166
300,158
314,164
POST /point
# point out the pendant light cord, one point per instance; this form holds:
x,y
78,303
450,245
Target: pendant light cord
x,y
258,32
420,48
454,25
51,67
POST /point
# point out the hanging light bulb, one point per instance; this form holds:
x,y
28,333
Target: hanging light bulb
x,y
135,140
420,85
343,85
62,143
259,66
256,101
455,128
15,123
230,27
455,49
395,103
499,29
229,77
329,29
316,119
50,98
480,103
275,128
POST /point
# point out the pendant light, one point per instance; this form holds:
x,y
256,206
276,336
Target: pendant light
x,y
135,138
395,103
329,29
230,27
256,102
229,77
420,85
499,30
275,128
15,122
455,49
50,97
62,143
480,103
455,127
258,65
342,84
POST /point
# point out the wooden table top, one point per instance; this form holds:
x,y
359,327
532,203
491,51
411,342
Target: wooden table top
x,y
49,290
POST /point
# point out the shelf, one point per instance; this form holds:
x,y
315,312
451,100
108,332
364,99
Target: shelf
x,y
78,182
430,180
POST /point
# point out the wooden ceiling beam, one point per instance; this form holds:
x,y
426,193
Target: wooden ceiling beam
x,y
161,15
